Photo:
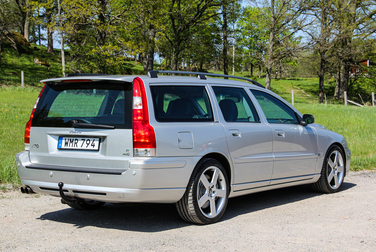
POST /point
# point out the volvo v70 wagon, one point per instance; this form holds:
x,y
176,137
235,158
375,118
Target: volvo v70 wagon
x,y
192,141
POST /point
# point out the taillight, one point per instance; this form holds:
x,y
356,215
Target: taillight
x,y
144,142
28,124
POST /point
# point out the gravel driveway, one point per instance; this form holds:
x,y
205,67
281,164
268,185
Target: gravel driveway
x,y
293,219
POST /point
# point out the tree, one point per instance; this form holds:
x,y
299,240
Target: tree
x,y
144,23
321,35
7,21
228,9
181,16
253,37
46,14
21,8
199,54
95,34
285,19
354,22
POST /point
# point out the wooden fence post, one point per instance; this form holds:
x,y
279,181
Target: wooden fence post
x,y
345,97
292,97
373,99
22,78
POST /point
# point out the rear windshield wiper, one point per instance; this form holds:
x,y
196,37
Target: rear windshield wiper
x,y
83,124
89,125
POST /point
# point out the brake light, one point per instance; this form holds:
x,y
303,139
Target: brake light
x,y
78,80
144,142
28,124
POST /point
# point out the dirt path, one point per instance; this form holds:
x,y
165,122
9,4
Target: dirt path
x,y
293,219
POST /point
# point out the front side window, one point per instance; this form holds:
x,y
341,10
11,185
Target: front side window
x,y
235,105
275,110
181,104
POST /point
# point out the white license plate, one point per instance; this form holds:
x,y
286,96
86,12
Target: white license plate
x,y
78,143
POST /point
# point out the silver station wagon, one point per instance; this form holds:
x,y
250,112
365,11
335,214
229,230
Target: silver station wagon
x,y
195,142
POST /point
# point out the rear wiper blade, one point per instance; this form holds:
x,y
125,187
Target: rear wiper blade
x,y
90,125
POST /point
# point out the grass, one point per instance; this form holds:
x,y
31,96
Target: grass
x,y
12,63
15,107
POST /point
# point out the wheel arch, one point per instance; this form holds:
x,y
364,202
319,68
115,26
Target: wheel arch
x,y
223,160
339,145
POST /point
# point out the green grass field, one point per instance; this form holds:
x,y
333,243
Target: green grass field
x,y
16,104
354,123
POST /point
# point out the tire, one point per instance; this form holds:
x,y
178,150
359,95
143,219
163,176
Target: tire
x,y
206,197
81,204
332,173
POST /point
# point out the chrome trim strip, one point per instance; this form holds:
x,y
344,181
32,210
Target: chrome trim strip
x,y
75,169
282,181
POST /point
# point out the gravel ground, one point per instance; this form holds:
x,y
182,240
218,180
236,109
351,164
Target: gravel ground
x,y
292,219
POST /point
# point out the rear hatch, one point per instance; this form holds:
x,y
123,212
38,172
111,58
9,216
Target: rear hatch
x,y
83,125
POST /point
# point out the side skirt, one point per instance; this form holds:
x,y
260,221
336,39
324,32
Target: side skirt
x,y
238,190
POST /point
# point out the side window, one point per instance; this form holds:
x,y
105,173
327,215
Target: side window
x,y
235,105
181,104
275,110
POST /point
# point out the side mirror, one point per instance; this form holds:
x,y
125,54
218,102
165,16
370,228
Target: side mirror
x,y
308,119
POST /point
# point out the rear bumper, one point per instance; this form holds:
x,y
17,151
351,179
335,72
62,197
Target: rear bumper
x,y
108,194
158,180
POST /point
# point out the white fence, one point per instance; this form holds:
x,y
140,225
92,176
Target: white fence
x,y
346,100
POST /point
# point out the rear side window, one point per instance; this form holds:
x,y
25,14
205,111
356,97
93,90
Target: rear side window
x,y
103,103
181,104
235,105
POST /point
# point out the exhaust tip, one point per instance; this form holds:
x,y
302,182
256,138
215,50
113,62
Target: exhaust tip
x,y
27,190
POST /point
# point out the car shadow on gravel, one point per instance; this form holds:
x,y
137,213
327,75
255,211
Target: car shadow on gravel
x,y
161,217
268,199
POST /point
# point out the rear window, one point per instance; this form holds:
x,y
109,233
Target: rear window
x,y
181,104
102,103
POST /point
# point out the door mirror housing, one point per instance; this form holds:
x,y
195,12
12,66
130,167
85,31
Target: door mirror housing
x,y
308,119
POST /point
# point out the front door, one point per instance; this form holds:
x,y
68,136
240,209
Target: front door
x,y
294,145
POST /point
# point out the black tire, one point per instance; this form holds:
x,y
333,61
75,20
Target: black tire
x,y
209,182
332,172
81,204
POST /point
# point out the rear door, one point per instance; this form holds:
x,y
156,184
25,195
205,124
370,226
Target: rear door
x,y
249,140
83,126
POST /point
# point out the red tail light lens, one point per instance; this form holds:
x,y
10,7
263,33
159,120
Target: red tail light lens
x,y
143,133
77,80
28,124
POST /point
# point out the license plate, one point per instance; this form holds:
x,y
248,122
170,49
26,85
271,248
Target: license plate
x,y
78,143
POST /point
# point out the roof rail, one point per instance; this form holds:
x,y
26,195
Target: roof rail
x,y
200,75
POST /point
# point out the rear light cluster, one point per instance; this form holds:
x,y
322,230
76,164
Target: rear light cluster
x,y
144,142
28,124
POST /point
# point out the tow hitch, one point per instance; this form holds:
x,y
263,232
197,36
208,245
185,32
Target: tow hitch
x,y
65,198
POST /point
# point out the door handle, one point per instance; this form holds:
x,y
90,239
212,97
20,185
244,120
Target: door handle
x,y
235,133
280,133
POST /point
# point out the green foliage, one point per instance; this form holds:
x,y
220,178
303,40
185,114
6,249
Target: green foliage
x,y
94,33
253,36
13,63
16,104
